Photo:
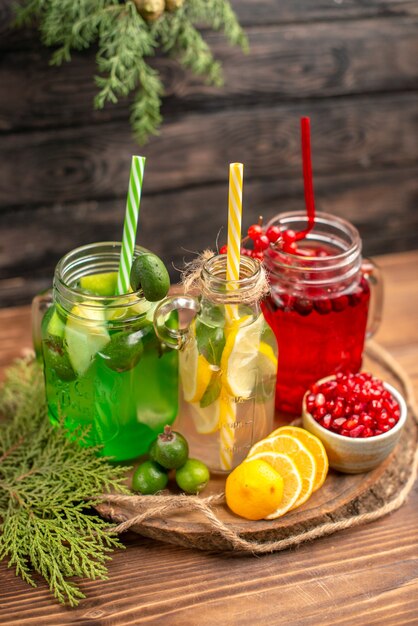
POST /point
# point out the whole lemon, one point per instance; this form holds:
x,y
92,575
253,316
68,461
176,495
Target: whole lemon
x,y
254,489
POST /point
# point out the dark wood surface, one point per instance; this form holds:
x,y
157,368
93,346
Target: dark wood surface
x,y
350,65
364,576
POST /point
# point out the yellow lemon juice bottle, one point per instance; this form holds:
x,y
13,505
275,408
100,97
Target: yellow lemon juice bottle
x,y
228,364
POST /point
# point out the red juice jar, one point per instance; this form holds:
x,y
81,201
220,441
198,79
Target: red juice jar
x,y
323,303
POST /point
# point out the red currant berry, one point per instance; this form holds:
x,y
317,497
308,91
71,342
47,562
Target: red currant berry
x,y
254,231
257,254
289,237
261,243
223,249
273,233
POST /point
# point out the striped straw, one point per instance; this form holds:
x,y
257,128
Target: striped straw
x,y
226,433
130,224
234,220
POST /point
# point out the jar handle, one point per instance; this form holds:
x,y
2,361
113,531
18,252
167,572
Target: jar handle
x,y
40,305
372,273
173,337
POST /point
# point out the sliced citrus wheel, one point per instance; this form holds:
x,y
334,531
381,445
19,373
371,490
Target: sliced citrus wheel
x,y
195,371
85,334
267,352
254,489
315,447
292,481
295,450
207,420
240,356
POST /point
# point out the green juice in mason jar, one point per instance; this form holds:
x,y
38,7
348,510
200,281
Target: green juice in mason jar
x,y
105,369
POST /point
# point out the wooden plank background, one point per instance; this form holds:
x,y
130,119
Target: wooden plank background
x,y
352,66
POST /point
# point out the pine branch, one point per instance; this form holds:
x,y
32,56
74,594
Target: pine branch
x,y
126,41
145,113
219,15
48,483
179,37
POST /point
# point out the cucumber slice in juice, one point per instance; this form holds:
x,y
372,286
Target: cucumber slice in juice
x,y
85,335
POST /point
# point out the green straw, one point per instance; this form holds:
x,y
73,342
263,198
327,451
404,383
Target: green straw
x,y
130,224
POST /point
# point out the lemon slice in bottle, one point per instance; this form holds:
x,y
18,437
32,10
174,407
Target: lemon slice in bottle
x,y
85,334
195,371
239,360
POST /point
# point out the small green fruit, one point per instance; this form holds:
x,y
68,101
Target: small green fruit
x,y
193,476
124,351
149,478
170,449
57,359
149,273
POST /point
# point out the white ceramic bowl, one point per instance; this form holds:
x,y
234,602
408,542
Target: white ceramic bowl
x,y
351,455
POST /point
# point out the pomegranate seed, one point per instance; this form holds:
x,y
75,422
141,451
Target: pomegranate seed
x,y
367,432
273,233
321,412
326,421
353,405
366,420
352,423
319,399
357,432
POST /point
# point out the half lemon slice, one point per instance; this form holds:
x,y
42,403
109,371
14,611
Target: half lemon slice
x,y
195,371
239,362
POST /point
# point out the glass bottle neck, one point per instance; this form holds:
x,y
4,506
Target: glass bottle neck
x,y
244,294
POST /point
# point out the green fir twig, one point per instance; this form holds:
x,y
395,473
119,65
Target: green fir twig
x,y
48,483
126,41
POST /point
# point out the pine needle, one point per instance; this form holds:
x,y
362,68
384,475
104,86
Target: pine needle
x,y
126,42
48,483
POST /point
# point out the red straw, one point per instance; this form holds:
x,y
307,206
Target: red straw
x,y
305,127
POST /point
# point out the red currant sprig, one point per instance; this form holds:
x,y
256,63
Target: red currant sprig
x,y
261,240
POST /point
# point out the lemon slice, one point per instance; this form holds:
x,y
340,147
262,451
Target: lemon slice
x,y
298,453
195,371
270,359
85,334
208,419
239,362
292,481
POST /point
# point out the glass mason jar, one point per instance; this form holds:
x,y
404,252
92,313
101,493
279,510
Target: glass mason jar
x,y
104,366
321,305
228,363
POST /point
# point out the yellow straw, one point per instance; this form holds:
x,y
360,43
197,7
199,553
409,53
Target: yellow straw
x,y
227,434
234,221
